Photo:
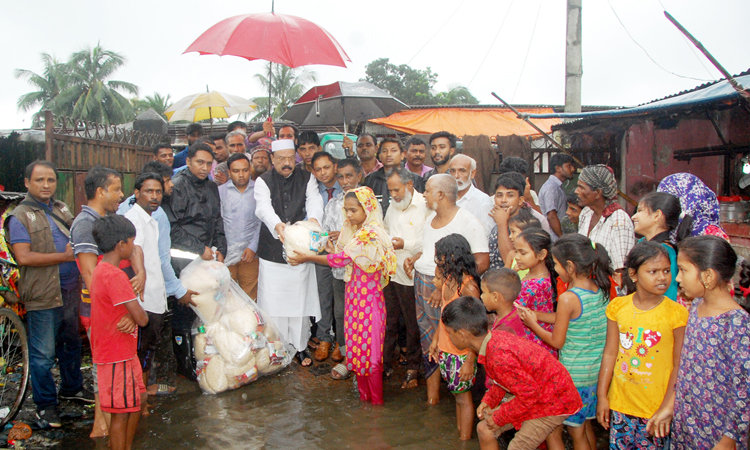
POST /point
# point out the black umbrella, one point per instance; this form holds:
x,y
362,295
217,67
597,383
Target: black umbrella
x,y
342,103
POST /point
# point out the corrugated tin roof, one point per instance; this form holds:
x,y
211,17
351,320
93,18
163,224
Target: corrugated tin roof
x,y
520,106
705,94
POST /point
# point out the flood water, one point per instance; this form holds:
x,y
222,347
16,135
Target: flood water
x,y
294,409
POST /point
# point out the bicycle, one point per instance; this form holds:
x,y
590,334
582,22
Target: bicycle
x,y
14,355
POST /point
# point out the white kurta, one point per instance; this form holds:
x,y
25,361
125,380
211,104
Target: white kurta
x,y
289,294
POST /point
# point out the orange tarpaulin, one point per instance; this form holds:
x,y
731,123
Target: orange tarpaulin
x,y
466,121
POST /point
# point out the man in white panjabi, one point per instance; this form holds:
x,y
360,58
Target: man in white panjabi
x,y
289,294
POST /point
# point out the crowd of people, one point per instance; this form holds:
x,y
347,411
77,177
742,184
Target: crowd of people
x,y
577,311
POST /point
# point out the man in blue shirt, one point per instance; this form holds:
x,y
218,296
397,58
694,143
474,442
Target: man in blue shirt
x,y
193,132
324,169
241,225
50,288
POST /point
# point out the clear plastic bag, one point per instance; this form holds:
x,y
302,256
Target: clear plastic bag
x,y
234,341
304,237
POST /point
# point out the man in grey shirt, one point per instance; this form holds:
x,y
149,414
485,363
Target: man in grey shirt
x,y
552,197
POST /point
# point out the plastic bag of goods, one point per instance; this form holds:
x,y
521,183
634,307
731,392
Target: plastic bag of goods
x,y
240,343
304,237
211,280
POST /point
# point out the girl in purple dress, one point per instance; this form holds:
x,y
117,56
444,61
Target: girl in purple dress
x,y
365,249
712,396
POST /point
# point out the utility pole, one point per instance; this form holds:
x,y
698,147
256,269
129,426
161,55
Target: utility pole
x,y
573,57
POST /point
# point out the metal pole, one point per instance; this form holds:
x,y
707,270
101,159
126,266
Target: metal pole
x,y
556,144
573,57
270,74
737,86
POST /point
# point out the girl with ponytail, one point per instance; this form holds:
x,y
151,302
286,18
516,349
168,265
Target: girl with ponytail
x,y
580,324
658,220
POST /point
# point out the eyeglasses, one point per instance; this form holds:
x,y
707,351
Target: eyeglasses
x,y
285,159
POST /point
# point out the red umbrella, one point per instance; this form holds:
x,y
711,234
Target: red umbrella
x,y
288,40
283,39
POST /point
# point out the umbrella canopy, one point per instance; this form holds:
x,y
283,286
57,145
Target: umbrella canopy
x,y
208,105
283,39
342,102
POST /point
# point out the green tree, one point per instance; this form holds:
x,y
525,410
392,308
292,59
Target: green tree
x,y
93,95
287,85
457,95
155,102
411,86
49,84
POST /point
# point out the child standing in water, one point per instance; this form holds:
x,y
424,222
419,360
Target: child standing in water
x,y
711,408
365,249
644,340
580,325
456,275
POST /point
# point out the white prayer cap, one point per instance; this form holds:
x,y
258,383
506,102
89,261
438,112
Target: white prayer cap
x,y
282,144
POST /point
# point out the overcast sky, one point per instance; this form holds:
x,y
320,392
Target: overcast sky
x,y
153,34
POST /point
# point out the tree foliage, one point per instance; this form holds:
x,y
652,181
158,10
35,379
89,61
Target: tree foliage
x,y
80,88
414,86
287,85
156,102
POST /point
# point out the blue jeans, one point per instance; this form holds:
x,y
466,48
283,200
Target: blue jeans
x,y
54,333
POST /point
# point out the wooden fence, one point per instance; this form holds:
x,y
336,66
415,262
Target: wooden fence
x,y
75,146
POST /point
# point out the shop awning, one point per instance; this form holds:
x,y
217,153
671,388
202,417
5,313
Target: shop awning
x,y
466,121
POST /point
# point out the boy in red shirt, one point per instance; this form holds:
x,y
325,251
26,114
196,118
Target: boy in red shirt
x,y
541,391
121,388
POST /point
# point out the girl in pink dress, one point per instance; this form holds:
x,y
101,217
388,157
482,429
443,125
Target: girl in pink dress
x,y
365,249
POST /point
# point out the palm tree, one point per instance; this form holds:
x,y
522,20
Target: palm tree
x,y
155,102
93,95
287,85
49,83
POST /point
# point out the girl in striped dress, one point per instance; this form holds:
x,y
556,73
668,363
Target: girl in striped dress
x,y
580,325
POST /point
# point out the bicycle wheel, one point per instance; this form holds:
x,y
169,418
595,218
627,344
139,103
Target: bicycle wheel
x,y
14,364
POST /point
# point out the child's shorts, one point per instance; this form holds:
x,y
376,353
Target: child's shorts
x,y
120,386
450,365
630,431
588,411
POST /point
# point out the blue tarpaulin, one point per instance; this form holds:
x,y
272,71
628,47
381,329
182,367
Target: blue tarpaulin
x,y
717,92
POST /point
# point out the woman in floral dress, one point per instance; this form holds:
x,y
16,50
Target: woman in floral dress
x,y
366,251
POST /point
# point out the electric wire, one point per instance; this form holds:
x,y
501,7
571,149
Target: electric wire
x,y
528,50
437,32
646,51
492,44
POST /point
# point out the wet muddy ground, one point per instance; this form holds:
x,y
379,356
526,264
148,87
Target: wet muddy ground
x,y
298,408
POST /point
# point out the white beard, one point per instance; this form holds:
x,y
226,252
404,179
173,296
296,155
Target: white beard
x,y
404,203
463,184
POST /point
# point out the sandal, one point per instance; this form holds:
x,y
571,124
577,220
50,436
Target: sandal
x,y
303,356
340,372
322,352
411,376
164,390
313,343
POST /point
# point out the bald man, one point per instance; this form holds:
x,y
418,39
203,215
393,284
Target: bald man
x,y
464,169
441,193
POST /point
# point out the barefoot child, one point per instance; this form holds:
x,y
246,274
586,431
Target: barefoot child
x,y
500,288
541,392
711,408
533,254
580,324
365,249
121,388
517,225
644,339
658,220
456,275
